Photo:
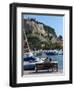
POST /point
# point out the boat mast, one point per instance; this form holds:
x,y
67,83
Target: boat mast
x,y
26,41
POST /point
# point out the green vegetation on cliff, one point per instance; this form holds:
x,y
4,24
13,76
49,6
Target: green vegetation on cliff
x,y
40,36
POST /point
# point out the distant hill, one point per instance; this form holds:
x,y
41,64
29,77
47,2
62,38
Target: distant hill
x,y
40,36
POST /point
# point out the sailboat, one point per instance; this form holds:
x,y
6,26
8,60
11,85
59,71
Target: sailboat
x,y
29,59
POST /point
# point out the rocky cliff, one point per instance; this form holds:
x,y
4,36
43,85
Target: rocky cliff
x,y
39,35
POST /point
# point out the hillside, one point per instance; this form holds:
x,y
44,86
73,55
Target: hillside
x,y
38,34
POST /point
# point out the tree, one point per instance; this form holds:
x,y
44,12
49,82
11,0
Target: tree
x,y
60,37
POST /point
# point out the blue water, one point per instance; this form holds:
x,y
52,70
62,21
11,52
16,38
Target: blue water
x,y
58,58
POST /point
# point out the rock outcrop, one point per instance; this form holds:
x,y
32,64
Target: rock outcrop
x,y
39,35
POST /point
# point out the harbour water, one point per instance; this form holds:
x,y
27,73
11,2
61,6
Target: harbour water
x,y
59,59
56,57
42,56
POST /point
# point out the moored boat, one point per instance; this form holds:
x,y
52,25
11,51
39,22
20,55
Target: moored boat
x,y
54,52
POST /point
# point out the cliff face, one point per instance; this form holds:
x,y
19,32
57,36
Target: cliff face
x,y
35,27
38,34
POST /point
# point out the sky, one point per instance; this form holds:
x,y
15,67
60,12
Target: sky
x,y
53,21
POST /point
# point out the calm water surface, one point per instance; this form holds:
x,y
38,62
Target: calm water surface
x,y
58,58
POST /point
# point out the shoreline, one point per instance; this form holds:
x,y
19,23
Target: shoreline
x,y
33,72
